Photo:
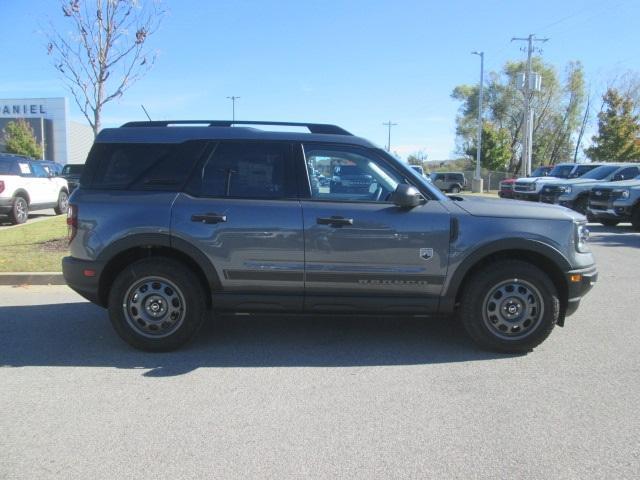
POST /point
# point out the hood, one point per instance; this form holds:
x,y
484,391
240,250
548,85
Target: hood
x,y
538,179
633,183
498,208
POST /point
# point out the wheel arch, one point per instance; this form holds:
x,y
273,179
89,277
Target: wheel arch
x,y
122,253
21,192
541,255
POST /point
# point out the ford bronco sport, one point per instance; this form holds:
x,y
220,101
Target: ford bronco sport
x,y
173,222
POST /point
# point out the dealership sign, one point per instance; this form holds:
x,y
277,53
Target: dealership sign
x,y
22,109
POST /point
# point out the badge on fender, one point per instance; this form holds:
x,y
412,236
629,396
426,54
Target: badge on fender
x,y
426,253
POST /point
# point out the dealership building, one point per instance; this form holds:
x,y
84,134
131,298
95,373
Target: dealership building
x,y
65,141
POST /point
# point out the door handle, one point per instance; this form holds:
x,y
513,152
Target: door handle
x,y
208,218
334,221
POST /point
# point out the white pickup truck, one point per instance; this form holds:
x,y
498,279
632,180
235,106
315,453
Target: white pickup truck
x,y
27,185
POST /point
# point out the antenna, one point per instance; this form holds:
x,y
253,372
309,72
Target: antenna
x,y
145,112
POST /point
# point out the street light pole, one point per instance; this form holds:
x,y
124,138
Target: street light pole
x,y
233,107
476,185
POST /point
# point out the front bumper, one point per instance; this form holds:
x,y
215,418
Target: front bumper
x,y
618,213
579,282
529,196
6,204
75,272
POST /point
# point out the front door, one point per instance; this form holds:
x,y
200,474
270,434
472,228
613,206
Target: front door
x,y
242,211
363,253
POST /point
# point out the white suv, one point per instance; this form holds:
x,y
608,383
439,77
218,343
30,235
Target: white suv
x,y
26,185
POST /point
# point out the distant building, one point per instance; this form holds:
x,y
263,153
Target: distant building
x,y
65,141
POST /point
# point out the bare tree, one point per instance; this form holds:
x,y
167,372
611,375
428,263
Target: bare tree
x,y
106,51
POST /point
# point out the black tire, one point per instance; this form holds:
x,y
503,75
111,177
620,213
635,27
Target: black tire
x,y
635,218
63,203
19,211
608,222
531,286
173,289
581,204
455,189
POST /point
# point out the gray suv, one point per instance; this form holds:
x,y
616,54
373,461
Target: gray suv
x,y
172,224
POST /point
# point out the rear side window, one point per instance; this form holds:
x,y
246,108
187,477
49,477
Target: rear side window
x,y
253,170
141,166
9,167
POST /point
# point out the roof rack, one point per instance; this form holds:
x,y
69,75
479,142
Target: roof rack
x,y
321,128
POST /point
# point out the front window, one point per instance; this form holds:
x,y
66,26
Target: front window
x,y
600,173
582,169
353,174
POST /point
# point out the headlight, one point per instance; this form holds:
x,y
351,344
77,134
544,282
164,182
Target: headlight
x,y
582,237
566,189
621,193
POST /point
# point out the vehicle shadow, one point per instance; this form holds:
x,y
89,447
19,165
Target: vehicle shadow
x,y
79,334
619,236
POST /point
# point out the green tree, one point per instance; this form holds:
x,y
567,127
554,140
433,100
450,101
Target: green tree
x,y
618,130
417,158
496,148
19,138
557,111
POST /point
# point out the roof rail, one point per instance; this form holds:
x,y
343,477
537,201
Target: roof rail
x,y
321,128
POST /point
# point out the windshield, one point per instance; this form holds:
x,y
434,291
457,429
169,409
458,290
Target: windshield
x,y
582,169
561,171
72,169
600,172
540,172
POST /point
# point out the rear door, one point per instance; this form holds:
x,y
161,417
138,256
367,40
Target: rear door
x,y
241,209
363,253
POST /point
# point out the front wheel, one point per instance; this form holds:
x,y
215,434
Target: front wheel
x,y
455,189
63,203
157,304
510,306
635,218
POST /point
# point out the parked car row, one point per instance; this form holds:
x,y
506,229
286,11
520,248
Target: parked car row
x,y
27,184
606,192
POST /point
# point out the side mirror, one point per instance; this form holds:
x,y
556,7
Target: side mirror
x,y
406,196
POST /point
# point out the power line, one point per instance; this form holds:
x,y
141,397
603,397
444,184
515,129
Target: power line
x,y
389,124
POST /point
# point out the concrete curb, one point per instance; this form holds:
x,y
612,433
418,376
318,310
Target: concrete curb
x,y
32,278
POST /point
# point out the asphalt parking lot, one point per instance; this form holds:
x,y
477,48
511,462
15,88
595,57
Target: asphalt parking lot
x,y
273,397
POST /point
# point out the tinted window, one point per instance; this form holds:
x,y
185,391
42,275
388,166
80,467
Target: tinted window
x,y
9,167
600,172
143,166
582,169
368,179
627,173
561,171
540,172
72,169
248,170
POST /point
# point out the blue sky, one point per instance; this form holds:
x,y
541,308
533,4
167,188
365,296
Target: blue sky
x,y
353,63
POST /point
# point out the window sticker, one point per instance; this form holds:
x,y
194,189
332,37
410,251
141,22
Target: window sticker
x,y
24,169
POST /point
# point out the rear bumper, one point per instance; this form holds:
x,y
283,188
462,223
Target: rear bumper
x,y
6,204
579,283
75,272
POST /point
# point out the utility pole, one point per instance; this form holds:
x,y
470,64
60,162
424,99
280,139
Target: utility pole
x,y
527,138
389,125
476,184
233,107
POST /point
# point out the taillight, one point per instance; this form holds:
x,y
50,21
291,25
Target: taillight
x,y
1,186
72,222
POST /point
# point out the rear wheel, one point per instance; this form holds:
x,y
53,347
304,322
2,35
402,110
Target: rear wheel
x,y
63,203
510,306
156,304
20,211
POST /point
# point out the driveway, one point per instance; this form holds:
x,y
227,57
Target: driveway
x,y
323,397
